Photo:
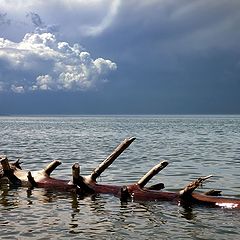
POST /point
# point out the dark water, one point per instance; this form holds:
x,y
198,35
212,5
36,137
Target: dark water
x,y
194,146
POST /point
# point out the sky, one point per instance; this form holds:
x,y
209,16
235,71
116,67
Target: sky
x,y
119,57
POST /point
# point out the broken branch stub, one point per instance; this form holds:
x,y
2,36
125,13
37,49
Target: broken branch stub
x,y
188,190
31,180
17,164
213,192
151,173
9,173
75,173
109,160
79,181
51,166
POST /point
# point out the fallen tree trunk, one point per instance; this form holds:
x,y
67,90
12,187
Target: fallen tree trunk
x,y
136,192
18,177
185,196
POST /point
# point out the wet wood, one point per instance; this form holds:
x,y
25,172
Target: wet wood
x,y
213,192
134,192
158,186
79,181
151,173
109,160
75,173
31,180
52,166
188,190
9,172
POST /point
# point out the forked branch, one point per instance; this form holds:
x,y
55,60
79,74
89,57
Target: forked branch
x,y
188,190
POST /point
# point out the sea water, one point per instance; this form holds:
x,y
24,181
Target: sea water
x,y
194,146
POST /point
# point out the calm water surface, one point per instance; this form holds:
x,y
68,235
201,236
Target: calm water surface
x,y
194,146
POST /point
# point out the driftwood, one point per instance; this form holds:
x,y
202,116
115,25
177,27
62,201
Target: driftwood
x,y
18,177
134,192
150,174
109,160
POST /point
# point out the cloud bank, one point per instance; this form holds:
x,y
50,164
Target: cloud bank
x,y
41,62
84,17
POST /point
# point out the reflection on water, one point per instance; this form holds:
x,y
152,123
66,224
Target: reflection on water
x,y
45,213
194,146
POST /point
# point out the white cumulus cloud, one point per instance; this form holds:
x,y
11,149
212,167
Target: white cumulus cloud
x,y
41,62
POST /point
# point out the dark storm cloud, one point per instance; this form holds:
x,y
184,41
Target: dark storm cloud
x,y
173,56
176,27
176,56
40,26
36,19
4,20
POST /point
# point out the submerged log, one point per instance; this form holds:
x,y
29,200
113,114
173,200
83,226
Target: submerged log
x,y
18,177
42,178
185,196
136,191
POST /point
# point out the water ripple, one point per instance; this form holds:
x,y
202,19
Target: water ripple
x,y
194,146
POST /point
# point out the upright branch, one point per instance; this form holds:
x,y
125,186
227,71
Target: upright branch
x,y
9,172
75,173
31,180
51,166
151,173
79,181
188,190
17,164
109,160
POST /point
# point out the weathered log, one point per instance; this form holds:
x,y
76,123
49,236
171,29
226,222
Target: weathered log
x,y
41,178
145,194
137,191
151,173
215,201
109,160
